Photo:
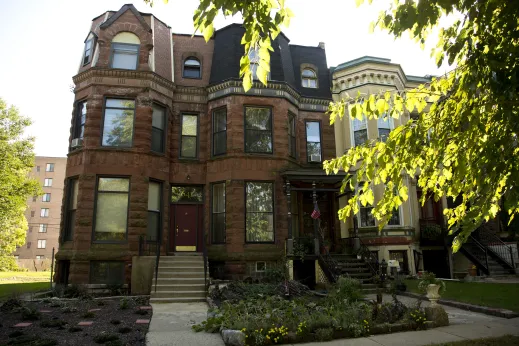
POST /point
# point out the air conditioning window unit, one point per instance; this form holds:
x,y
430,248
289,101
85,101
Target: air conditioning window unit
x,y
76,142
315,158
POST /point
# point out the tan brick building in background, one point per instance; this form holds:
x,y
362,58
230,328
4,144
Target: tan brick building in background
x,y
43,214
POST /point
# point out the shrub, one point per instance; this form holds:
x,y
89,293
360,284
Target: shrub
x,y
100,303
29,314
115,289
75,329
68,309
52,323
58,291
346,289
114,343
88,314
324,334
115,322
274,275
11,304
77,291
429,278
431,231
123,305
15,334
141,300
56,304
104,337
8,264
124,330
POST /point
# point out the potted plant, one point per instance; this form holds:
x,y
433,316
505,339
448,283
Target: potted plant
x,y
473,271
431,231
432,286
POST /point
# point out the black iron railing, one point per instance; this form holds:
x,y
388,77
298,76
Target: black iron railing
x,y
498,249
328,264
365,253
204,252
477,253
151,247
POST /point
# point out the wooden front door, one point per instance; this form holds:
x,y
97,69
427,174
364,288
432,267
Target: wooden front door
x,y
184,227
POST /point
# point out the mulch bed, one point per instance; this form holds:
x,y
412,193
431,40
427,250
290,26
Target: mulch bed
x,y
57,322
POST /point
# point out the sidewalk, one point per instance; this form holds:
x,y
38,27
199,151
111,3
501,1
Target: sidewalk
x,y
171,325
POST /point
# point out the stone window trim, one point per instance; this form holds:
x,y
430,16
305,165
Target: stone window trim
x,y
96,194
156,212
92,38
79,122
273,184
215,132
70,209
271,152
197,150
164,130
192,55
108,97
305,66
292,135
320,140
224,212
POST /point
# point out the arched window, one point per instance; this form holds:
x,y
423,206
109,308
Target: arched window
x,y
309,78
125,51
192,68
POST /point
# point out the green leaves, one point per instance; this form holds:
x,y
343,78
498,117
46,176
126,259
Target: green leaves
x,y
16,162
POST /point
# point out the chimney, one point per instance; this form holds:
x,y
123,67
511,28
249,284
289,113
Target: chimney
x,y
321,45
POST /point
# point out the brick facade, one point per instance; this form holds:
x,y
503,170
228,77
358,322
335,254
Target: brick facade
x,y
152,82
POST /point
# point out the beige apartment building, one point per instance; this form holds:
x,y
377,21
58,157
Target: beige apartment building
x,y
400,239
43,214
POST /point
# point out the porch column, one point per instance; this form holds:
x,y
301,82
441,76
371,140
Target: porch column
x,y
290,241
316,226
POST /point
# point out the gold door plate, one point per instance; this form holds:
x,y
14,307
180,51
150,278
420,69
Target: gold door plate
x,y
185,248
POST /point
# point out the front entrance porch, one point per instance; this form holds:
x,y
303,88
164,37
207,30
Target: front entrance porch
x,y
314,242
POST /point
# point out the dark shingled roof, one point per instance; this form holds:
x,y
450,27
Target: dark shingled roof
x,y
119,13
285,61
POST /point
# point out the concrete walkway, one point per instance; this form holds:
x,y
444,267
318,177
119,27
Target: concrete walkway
x,y
171,326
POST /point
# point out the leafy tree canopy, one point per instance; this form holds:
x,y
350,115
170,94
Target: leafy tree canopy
x,y
463,139
16,161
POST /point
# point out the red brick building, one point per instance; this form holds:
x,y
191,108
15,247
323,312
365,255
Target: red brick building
x,y
166,148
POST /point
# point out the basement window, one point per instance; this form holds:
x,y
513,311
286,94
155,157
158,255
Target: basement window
x,y
107,272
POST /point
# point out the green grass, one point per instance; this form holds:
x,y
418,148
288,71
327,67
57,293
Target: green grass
x,y
7,290
494,295
20,277
507,340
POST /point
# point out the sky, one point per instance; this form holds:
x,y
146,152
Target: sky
x,y
42,41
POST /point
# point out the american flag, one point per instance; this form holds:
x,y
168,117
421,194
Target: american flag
x,y
316,213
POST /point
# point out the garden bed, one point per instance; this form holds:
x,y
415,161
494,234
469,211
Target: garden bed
x,y
108,321
265,314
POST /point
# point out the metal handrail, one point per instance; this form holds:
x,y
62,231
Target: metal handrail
x,y
327,259
204,252
157,265
482,248
497,246
366,254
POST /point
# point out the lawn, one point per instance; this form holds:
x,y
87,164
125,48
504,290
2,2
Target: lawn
x,y
495,295
507,340
22,282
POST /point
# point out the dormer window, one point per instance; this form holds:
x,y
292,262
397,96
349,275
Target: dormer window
x,y
309,78
254,59
192,68
125,51
87,55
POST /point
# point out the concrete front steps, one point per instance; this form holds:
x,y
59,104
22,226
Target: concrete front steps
x,y
180,279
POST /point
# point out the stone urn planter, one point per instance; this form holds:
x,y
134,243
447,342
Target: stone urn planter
x,y
432,294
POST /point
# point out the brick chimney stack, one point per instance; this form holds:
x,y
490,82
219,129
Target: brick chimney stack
x,y
321,45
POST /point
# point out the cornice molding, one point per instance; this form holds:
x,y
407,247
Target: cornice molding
x,y
272,89
96,72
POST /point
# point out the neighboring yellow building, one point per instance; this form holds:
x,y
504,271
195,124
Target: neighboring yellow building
x,y
399,240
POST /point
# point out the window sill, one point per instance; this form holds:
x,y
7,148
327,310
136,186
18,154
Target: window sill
x,y
187,159
261,243
113,242
195,78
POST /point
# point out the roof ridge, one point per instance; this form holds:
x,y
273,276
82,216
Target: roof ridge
x,y
121,11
